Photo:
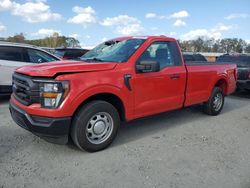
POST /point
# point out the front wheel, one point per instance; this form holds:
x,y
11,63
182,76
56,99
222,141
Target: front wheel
x,y
215,103
95,126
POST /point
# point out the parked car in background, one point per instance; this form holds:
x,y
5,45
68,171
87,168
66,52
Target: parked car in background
x,y
70,53
14,55
243,64
193,57
50,50
119,80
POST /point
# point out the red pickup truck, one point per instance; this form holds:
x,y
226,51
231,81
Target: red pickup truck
x,y
119,80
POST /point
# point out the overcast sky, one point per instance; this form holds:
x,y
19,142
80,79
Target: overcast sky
x,y
92,21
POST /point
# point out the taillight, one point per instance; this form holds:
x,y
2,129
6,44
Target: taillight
x,y
249,75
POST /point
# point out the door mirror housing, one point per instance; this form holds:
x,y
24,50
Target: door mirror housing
x,y
147,66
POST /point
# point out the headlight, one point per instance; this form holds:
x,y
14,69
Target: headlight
x,y
53,93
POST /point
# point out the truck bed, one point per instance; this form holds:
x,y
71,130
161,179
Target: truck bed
x,y
202,75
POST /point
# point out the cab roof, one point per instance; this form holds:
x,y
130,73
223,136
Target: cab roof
x,y
144,37
14,44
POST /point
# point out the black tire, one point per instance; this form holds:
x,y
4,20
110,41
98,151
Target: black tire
x,y
209,107
95,111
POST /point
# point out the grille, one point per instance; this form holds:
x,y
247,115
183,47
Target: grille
x,y
25,90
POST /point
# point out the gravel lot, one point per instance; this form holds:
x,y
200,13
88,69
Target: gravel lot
x,y
184,148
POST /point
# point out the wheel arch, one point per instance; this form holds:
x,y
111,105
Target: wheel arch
x,y
108,94
222,84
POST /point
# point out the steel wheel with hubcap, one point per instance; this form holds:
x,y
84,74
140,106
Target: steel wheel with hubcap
x,y
95,126
99,128
215,103
218,101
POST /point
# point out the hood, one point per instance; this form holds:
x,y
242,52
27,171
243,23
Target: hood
x,y
53,68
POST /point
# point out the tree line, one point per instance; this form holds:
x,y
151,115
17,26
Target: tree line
x,y
52,41
227,45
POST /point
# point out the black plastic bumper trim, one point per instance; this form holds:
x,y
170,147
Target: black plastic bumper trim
x,y
243,84
55,130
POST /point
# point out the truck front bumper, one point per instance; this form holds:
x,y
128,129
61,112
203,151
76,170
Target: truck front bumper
x,y
55,130
243,84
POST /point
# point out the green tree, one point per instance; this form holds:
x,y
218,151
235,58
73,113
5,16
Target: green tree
x,y
198,44
247,49
185,46
19,38
72,42
55,41
240,45
232,45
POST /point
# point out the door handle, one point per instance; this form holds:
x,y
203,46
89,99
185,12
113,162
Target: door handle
x,y
175,76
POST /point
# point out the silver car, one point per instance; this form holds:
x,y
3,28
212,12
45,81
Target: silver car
x,y
14,55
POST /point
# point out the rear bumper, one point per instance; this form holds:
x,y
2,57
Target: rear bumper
x,y
55,130
243,84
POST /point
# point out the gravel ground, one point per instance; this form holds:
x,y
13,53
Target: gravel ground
x,y
183,148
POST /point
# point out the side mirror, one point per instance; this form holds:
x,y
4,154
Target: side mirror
x,y
148,66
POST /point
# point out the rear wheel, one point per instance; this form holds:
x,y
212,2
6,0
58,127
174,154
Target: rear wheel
x,y
215,103
95,126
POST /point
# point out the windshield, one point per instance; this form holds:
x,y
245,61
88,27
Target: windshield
x,y
113,51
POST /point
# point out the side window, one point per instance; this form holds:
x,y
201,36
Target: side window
x,y
36,56
11,53
166,53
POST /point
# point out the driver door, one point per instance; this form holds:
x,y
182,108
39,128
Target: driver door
x,y
161,91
